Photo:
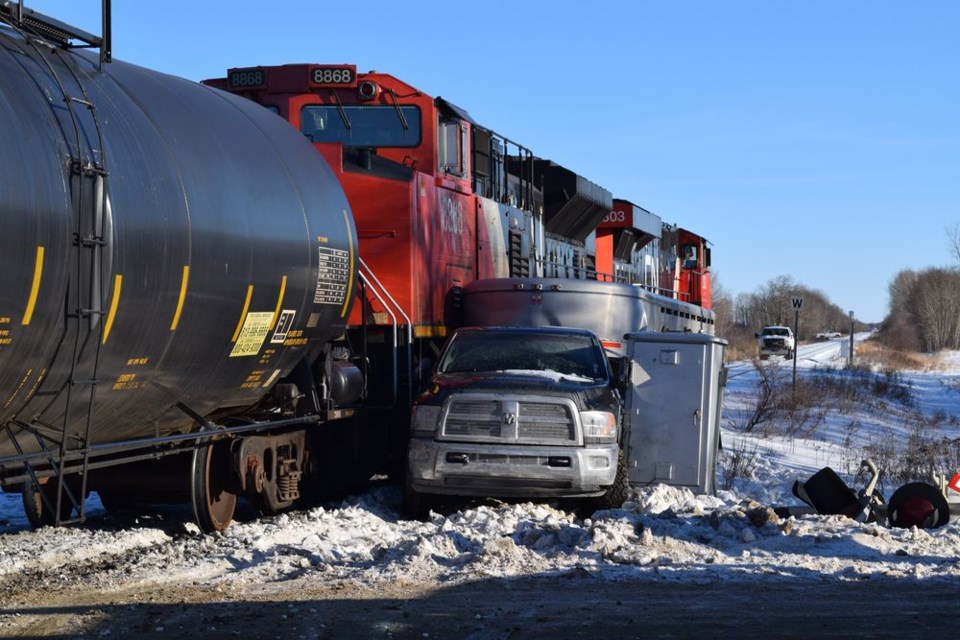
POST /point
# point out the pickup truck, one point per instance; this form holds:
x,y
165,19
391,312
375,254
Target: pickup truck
x,y
518,412
776,341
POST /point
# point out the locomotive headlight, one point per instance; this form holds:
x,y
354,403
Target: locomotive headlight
x,y
368,90
599,427
424,420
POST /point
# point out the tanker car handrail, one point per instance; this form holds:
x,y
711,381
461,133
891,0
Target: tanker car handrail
x,y
57,31
110,448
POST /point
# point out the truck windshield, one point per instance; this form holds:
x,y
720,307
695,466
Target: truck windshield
x,y
574,355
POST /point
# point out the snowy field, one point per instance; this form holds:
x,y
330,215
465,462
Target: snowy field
x,y
662,534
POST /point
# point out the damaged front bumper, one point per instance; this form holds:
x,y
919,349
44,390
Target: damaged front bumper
x,y
452,468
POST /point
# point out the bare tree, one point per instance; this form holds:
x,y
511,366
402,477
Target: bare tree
x,y
723,305
933,305
953,241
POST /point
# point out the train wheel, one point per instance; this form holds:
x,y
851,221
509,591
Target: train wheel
x,y
40,515
210,487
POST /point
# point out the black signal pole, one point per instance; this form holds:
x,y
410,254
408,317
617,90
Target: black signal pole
x,y
796,341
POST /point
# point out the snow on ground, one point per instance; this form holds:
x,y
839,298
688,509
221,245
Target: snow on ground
x,y
663,533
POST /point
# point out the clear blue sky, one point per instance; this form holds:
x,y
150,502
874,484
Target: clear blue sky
x,y
815,139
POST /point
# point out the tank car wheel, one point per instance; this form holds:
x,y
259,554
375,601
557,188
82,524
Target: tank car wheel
x,y
39,515
214,503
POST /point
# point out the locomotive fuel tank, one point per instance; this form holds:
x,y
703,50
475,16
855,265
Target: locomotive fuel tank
x,y
163,242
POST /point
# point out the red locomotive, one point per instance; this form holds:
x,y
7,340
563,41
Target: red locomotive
x,y
440,201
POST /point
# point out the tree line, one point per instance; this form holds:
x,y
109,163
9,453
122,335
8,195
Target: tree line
x,y
740,317
924,308
925,305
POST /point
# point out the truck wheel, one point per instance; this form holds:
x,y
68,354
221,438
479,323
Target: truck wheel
x,y
616,495
416,505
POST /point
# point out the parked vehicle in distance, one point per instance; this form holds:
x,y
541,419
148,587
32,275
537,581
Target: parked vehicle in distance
x,y
518,412
829,334
776,341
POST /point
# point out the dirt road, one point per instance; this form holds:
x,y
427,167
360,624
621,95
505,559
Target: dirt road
x,y
569,605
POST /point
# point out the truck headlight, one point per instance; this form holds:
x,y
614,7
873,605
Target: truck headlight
x,y
424,420
599,427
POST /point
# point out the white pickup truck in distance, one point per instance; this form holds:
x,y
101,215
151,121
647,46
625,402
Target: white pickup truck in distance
x,y
776,341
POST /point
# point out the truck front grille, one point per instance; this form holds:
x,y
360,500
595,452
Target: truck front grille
x,y
511,420
546,421
474,418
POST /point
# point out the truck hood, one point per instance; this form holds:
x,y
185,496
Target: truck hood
x,y
587,393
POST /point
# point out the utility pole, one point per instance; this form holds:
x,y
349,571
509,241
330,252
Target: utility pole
x,y
851,339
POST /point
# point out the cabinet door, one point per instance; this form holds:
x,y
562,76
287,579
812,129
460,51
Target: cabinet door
x,y
665,408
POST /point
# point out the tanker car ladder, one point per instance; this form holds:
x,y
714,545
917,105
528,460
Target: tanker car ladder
x,y
88,189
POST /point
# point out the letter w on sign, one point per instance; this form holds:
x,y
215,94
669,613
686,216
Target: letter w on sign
x,y
797,303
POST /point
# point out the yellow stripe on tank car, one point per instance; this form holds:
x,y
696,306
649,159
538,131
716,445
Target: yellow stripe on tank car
x,y
117,282
183,296
243,314
276,312
346,300
34,288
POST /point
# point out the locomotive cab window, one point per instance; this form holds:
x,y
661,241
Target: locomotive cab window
x,y
362,126
452,147
689,256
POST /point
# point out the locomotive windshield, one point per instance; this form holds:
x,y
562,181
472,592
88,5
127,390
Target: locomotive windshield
x,y
362,126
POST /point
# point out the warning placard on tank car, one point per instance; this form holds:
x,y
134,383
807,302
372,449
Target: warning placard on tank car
x,y
284,323
333,274
256,326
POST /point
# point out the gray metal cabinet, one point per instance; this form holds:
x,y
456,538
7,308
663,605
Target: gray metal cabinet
x,y
673,409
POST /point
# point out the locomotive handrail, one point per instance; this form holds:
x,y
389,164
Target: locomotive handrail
x,y
367,273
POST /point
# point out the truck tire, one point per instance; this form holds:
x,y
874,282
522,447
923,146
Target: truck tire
x,y
416,505
616,494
